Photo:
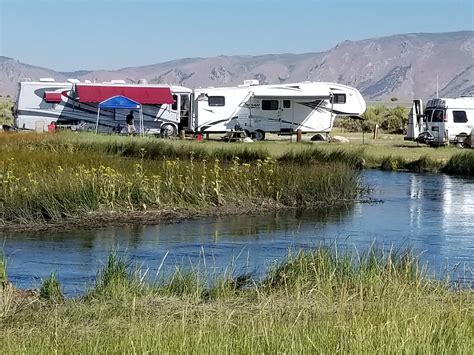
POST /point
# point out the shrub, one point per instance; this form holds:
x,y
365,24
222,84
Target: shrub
x,y
391,120
51,290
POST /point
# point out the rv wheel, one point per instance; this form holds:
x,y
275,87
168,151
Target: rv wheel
x,y
259,135
167,131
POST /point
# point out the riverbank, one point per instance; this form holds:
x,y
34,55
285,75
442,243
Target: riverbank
x,y
48,182
72,180
319,301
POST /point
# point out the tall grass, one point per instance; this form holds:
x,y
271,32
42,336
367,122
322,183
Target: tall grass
x,y
3,269
117,279
50,289
423,164
461,164
317,155
322,301
356,155
35,188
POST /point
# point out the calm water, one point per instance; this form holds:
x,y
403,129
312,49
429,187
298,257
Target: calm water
x,y
432,214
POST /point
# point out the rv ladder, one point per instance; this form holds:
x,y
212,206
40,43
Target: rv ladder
x,y
242,103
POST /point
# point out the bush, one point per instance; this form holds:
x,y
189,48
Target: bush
x,y
391,120
6,115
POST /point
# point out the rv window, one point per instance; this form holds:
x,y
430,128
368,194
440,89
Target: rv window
x,y
269,105
339,98
427,116
216,100
438,116
459,117
174,106
286,103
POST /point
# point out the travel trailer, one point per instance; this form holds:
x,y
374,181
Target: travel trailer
x,y
445,120
282,109
255,109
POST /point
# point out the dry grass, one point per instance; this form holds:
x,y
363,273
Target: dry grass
x,y
315,302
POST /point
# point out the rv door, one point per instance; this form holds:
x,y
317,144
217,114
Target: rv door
x,y
286,115
436,124
184,112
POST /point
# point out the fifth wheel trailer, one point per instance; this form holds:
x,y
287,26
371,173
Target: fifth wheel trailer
x,y
281,109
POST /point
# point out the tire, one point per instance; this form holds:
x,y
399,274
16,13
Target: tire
x,y
318,137
258,135
168,130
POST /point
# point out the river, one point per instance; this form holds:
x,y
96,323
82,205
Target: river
x,y
431,214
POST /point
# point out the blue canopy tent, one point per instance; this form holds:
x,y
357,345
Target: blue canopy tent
x,y
122,103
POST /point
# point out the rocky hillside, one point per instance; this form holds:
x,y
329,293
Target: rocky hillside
x,y
402,66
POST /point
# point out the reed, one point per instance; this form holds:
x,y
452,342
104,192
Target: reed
x,y
461,164
3,269
50,289
116,279
37,190
317,155
320,301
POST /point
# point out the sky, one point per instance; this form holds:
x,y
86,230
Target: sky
x,y
70,35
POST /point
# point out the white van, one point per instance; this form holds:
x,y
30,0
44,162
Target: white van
x,y
449,120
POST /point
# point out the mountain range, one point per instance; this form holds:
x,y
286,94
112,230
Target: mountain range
x,y
403,66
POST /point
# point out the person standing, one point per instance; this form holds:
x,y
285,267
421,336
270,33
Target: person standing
x,y
131,123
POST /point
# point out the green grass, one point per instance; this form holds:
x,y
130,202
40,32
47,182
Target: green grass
x,y
386,144
372,152
50,289
49,180
322,301
461,164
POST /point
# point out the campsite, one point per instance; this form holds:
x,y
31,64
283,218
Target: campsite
x,y
236,177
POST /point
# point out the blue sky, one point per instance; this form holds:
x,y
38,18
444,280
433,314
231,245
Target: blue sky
x,y
73,34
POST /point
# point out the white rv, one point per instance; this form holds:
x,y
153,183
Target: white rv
x,y
38,104
257,109
445,120
282,109
75,105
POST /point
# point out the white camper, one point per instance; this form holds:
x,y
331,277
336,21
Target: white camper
x,y
75,105
281,109
445,120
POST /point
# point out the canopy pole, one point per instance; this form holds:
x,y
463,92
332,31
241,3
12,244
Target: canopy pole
x,y
97,122
141,120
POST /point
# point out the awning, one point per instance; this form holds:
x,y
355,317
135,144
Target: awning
x,y
119,102
142,95
291,96
52,97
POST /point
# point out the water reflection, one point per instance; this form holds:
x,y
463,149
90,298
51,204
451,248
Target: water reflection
x,y
433,214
